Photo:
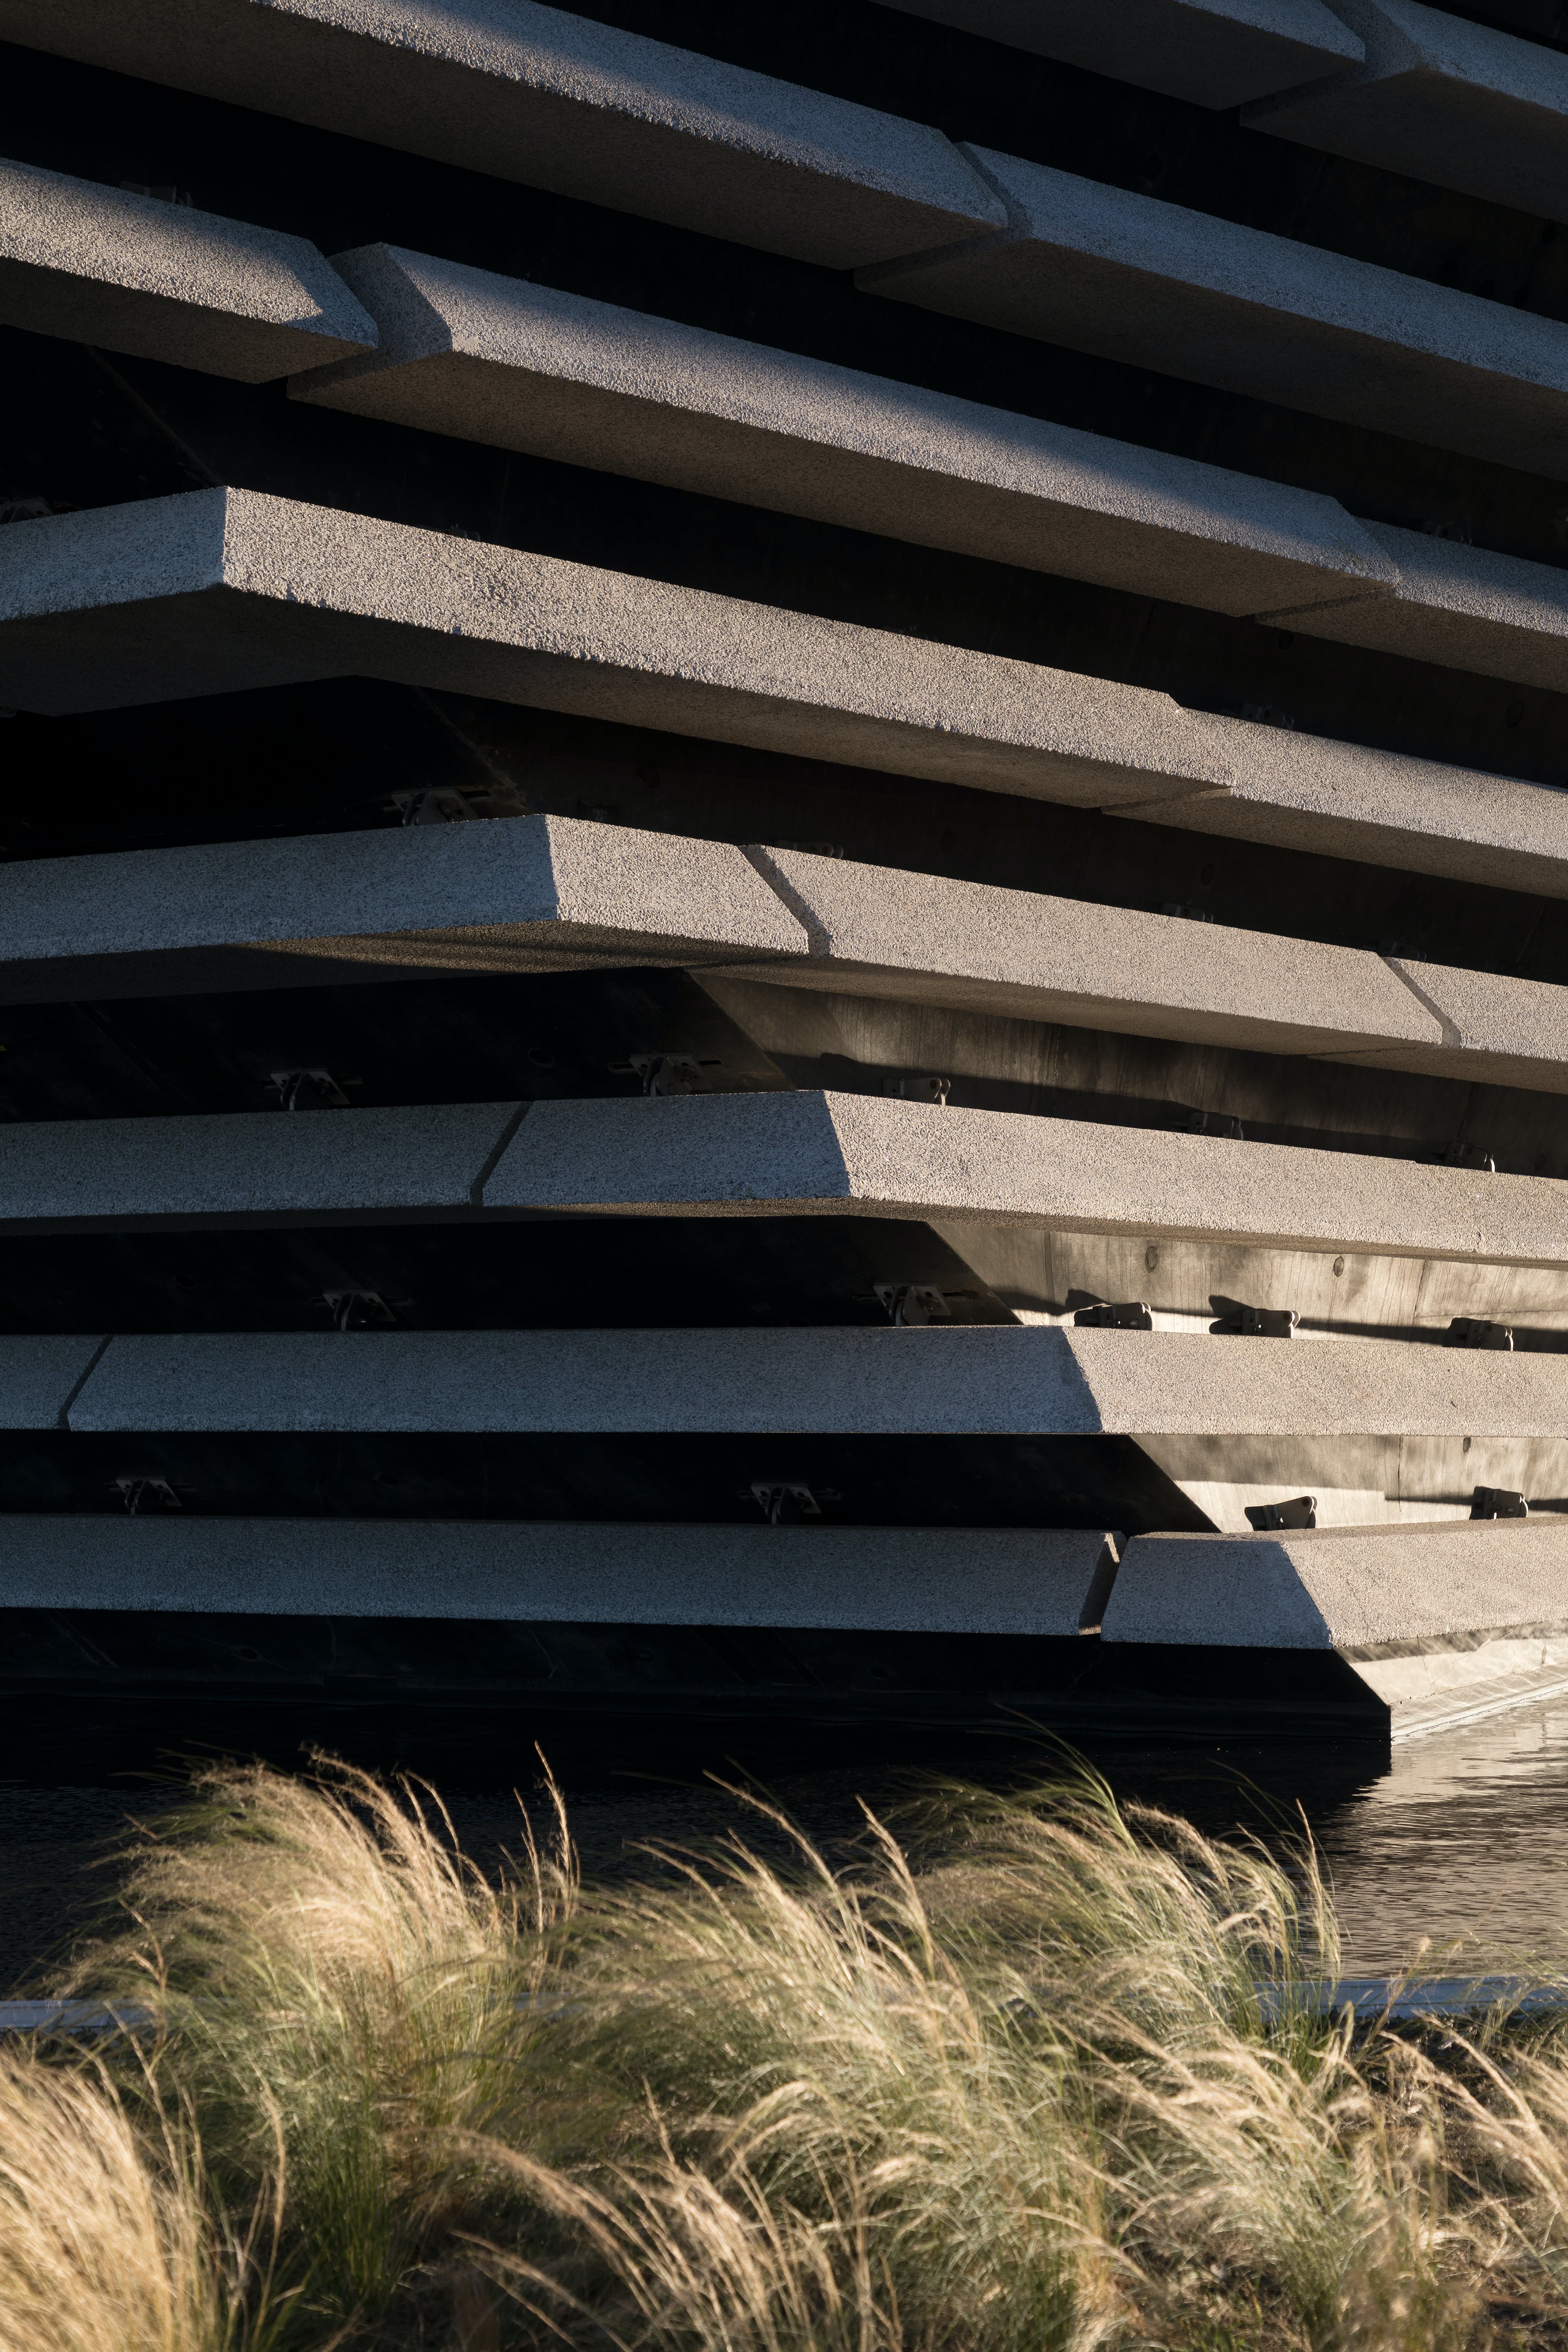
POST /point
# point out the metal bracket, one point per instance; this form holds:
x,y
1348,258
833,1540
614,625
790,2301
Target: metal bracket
x,y
310,1089
1189,913
361,1310
1132,1315
1498,1503
914,1302
1259,1323
165,195
670,1074
920,1089
785,1502
1301,1511
147,1494
1457,1155
459,803
1466,1331
1216,1122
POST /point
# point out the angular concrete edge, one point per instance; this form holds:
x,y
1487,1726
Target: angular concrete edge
x,y
885,1580
502,361
40,1376
130,273
559,101
1218,53
1467,607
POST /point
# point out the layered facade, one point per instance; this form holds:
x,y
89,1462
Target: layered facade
x,y
783,939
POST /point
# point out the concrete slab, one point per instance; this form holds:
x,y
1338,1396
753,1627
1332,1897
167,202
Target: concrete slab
x,y
38,1377
1103,270
532,93
1212,52
1455,104
529,894
966,1382
268,1169
130,273
520,366
892,1580
1467,607
1494,1028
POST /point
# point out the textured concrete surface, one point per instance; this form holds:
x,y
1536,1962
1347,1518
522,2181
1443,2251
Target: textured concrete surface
x,y
905,1579
973,1380
534,94
531,894
1212,52
1106,270
1457,104
267,1168
214,591
1467,607
768,1154
520,366
131,273
38,1377
1495,1028
1336,1589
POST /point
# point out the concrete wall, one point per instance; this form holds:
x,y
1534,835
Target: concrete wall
x,y
1105,270
532,93
1455,104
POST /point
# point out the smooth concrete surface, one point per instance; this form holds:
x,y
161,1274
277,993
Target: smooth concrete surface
x,y
38,1377
99,264
525,894
532,93
892,1580
215,590
1467,607
1455,104
1106,270
971,1379
520,366
1347,1590
783,1154
1216,53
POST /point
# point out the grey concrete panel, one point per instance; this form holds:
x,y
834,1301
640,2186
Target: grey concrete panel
x,y
531,93
99,264
1212,52
520,366
529,894
1444,100
966,1381
1104,270
1467,607
1344,1589
892,1580
38,1377
253,1169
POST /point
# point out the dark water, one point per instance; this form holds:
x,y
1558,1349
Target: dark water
x,y
1463,1840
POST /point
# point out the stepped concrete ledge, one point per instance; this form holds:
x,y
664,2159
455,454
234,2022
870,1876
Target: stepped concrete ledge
x,y
763,1155
40,1377
1105,270
1455,104
1442,1623
1215,53
215,590
520,366
967,1381
130,273
892,1580
1467,607
534,94
531,894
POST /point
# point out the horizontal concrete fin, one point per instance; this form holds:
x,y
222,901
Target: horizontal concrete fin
x,y
768,1154
520,366
1215,53
1346,1588
531,894
1107,271
887,1580
1467,607
966,1382
1455,104
534,94
131,273
38,1377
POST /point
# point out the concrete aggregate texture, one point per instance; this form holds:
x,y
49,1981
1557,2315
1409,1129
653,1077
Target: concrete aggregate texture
x,y
1109,270
1344,1589
971,1381
1215,53
214,591
1454,103
131,273
39,1376
786,1154
1469,607
535,94
519,366
535,893
905,1579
